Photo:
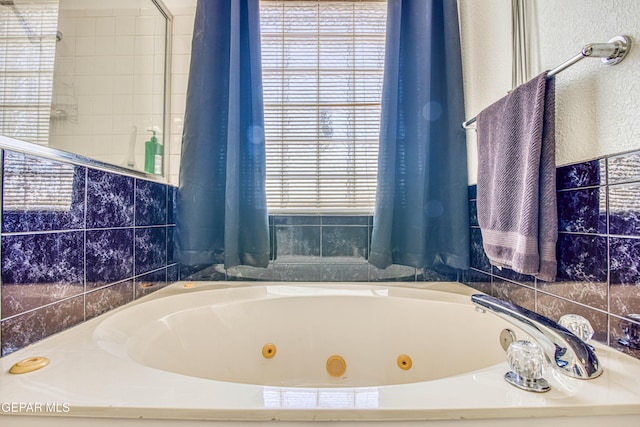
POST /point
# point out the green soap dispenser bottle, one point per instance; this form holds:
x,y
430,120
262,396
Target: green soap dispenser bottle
x,y
153,155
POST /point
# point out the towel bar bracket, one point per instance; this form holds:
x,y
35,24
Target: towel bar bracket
x,y
622,45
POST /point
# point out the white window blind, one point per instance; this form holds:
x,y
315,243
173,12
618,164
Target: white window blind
x,y
322,66
27,50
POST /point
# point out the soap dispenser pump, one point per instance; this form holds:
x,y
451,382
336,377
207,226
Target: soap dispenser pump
x,y
153,155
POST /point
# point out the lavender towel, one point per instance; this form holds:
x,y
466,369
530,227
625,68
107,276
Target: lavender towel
x,y
517,209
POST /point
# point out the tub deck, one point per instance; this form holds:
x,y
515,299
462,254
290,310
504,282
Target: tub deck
x,y
86,381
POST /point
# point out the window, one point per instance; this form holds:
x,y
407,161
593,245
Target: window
x,y
27,52
322,65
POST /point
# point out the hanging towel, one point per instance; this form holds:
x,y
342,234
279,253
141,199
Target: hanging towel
x,y
517,210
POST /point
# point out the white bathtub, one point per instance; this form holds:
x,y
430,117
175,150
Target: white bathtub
x,y
237,353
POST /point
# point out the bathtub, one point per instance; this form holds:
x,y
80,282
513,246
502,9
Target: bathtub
x,y
239,353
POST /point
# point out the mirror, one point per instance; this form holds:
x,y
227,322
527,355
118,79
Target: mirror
x,y
87,77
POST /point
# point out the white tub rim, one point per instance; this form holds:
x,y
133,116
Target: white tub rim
x,y
461,397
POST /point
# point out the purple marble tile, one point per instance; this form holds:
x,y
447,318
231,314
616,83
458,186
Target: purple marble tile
x,y
592,294
109,256
477,280
150,282
299,241
344,272
554,307
28,328
298,272
345,243
624,276
173,273
507,273
245,272
202,272
473,213
582,270
187,272
583,211
171,245
520,295
151,203
150,249
479,259
624,209
582,258
297,219
625,336
172,197
393,273
108,298
473,191
624,168
345,219
41,195
586,174
39,269
110,200
436,274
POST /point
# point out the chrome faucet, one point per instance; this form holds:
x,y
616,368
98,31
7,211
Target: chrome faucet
x,y
564,351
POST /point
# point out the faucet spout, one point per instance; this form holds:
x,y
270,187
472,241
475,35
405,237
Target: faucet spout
x,y
566,352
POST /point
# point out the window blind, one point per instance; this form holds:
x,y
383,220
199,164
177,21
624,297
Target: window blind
x,y
27,49
32,184
322,65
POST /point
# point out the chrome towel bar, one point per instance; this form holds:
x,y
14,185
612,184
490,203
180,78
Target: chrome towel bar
x,y
611,53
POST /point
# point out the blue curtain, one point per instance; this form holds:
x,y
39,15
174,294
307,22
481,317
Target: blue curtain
x,y
421,216
221,205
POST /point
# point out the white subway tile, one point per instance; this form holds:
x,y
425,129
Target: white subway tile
x,y
103,104
145,25
105,65
86,46
123,64
106,26
144,45
104,85
105,46
125,45
123,84
83,85
85,26
123,104
125,25
85,65
142,84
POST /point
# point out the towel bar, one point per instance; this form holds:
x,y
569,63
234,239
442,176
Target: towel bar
x,y
611,53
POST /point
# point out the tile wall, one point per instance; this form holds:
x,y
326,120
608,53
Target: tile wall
x,y
108,84
598,253
180,62
77,242
329,248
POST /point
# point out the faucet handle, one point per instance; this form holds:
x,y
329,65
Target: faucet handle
x,y
527,363
577,325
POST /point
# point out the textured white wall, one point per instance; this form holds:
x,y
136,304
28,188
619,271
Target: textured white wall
x,y
485,28
597,106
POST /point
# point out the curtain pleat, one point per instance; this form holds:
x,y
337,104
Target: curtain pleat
x,y
221,207
421,216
